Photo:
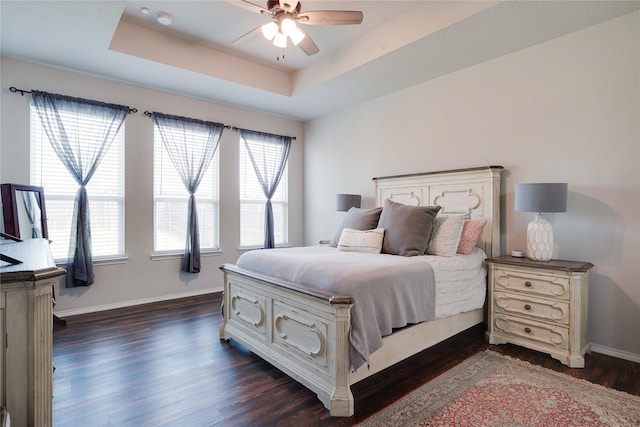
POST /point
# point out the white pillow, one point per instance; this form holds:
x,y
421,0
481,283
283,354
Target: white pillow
x,y
369,241
445,236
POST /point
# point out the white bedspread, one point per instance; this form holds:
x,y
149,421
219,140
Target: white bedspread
x,y
461,282
388,291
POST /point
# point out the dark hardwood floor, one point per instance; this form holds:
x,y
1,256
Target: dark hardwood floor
x,y
164,365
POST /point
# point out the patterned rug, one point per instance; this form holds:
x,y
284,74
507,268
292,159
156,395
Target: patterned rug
x,y
490,389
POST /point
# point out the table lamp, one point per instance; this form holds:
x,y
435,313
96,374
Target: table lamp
x,y
344,202
539,198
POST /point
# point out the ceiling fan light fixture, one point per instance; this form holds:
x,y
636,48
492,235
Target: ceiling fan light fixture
x,y
286,17
288,26
270,30
280,40
296,36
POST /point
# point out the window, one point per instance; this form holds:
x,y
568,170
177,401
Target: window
x,y
105,191
252,206
170,200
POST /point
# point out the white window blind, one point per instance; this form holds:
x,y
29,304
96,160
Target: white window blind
x,y
105,191
252,205
170,198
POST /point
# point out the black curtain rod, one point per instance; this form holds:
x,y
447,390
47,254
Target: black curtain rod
x,y
237,129
150,114
22,92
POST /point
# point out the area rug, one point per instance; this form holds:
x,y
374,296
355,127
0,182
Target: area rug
x,y
490,389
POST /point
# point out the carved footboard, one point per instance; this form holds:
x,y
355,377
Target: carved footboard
x,y
303,331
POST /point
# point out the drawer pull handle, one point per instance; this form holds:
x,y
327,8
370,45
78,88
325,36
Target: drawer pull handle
x,y
527,330
527,307
527,284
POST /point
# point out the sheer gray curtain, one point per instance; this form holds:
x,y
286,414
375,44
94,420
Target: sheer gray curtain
x,y
81,132
268,155
191,145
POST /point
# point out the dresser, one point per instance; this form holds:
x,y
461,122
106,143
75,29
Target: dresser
x,y
541,305
26,325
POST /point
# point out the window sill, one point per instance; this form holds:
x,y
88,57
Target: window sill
x,y
98,261
248,249
171,255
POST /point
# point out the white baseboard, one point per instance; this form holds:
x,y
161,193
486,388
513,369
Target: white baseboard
x,y
615,353
97,308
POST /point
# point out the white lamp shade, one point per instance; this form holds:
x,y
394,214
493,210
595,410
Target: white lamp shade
x,y
288,26
296,36
270,30
280,40
344,202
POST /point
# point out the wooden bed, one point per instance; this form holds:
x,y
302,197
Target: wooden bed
x,y
304,331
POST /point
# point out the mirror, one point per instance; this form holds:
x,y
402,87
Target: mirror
x,y
23,210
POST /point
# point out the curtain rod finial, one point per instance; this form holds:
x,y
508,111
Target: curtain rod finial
x,y
15,89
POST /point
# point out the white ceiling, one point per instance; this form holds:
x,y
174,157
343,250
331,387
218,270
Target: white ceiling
x,y
399,44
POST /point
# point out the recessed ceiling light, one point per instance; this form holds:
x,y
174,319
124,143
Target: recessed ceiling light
x,y
144,10
164,18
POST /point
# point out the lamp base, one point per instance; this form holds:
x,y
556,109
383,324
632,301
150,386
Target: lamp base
x,y
539,239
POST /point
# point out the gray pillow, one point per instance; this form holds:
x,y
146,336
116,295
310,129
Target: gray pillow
x,y
407,228
357,219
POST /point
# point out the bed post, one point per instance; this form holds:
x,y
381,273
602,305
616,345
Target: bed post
x,y
342,404
495,173
223,304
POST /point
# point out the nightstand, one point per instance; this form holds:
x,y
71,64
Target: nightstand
x,y
541,305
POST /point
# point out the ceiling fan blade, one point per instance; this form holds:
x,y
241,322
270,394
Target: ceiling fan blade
x,y
252,7
331,17
251,35
307,45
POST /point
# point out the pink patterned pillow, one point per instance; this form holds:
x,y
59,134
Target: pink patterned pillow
x,y
471,231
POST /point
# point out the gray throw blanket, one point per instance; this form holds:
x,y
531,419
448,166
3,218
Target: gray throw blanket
x,y
389,291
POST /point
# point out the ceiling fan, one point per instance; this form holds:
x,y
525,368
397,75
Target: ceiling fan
x,y
286,14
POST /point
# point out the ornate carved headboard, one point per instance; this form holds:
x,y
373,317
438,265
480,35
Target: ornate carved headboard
x,y
474,192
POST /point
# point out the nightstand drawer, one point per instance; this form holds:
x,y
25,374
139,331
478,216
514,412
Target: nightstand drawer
x,y
535,284
523,305
521,329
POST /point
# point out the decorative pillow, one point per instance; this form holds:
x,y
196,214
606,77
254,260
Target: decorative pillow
x,y
470,233
445,236
357,219
407,228
369,241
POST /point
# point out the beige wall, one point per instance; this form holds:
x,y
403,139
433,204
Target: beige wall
x,y
567,110
141,279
